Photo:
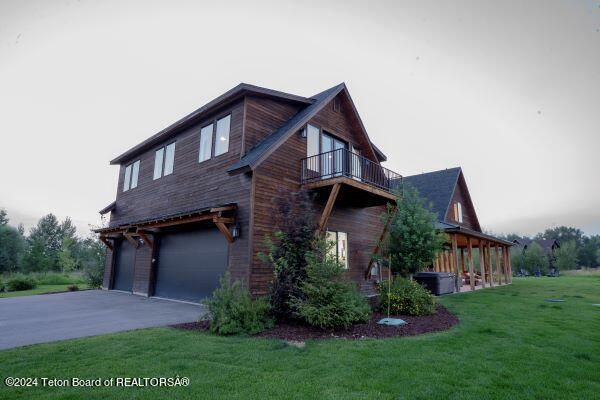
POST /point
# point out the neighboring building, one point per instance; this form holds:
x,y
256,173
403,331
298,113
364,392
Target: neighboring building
x,y
199,197
447,193
548,245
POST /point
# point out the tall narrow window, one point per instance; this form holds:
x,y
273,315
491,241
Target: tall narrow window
x,y
169,159
339,248
135,170
460,215
206,135
127,179
222,139
130,180
158,162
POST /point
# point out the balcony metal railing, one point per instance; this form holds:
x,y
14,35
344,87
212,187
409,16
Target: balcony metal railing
x,y
343,162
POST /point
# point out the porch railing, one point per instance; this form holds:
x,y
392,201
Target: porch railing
x,y
343,162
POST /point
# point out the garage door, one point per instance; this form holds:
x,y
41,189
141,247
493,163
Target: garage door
x,y
125,258
190,264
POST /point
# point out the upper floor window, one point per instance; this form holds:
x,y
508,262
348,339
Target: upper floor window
x,y
130,180
458,215
206,135
222,135
339,249
164,158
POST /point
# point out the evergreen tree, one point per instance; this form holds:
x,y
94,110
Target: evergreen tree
x,y
12,245
412,241
3,217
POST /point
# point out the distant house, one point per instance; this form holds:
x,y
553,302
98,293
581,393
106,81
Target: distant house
x,y
447,193
548,245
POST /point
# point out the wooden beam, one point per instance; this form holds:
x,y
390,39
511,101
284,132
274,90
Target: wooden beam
x,y
225,231
350,182
145,238
179,221
482,263
489,262
455,263
130,239
498,265
470,255
462,260
329,206
389,221
108,244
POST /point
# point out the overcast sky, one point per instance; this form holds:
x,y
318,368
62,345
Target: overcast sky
x,y
507,90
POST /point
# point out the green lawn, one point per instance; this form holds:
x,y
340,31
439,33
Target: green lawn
x,y
509,344
42,289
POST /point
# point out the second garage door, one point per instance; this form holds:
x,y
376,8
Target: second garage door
x,y
190,264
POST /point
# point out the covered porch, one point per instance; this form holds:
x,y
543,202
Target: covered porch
x,y
459,256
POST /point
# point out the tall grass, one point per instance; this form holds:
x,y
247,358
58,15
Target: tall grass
x,y
582,272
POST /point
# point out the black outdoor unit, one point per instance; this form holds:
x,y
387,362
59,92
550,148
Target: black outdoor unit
x,y
437,282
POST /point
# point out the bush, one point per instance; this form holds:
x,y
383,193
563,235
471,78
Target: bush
x,y
21,282
232,310
330,301
72,288
52,278
94,275
406,297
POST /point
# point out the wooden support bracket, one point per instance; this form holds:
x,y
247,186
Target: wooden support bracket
x,y
329,206
145,238
108,244
223,228
381,238
130,239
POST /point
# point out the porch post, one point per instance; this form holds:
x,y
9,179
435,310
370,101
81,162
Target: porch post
x,y
509,264
505,263
470,255
455,262
490,266
498,265
482,263
462,260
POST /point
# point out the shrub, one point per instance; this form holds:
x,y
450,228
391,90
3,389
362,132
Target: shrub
x,y
72,288
232,310
94,275
406,297
330,301
52,278
21,282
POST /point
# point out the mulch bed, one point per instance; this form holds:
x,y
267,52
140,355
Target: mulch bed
x,y
440,321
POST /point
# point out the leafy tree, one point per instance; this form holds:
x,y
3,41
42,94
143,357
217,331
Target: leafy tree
x,y
598,256
535,259
45,241
12,246
566,256
65,257
413,241
3,217
564,234
517,259
588,250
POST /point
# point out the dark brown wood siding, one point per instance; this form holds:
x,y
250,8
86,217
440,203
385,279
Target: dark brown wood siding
x,y
280,173
461,195
263,117
191,186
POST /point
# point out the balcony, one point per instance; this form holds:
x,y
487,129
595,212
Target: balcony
x,y
366,183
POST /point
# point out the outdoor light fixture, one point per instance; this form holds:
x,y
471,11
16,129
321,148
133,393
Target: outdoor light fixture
x,y
303,132
235,231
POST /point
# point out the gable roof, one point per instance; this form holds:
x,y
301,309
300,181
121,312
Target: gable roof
x,y
226,98
271,142
437,187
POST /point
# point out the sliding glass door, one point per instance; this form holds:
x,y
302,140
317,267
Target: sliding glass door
x,y
333,153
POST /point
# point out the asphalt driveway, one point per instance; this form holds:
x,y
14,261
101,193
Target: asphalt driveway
x,y
51,317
